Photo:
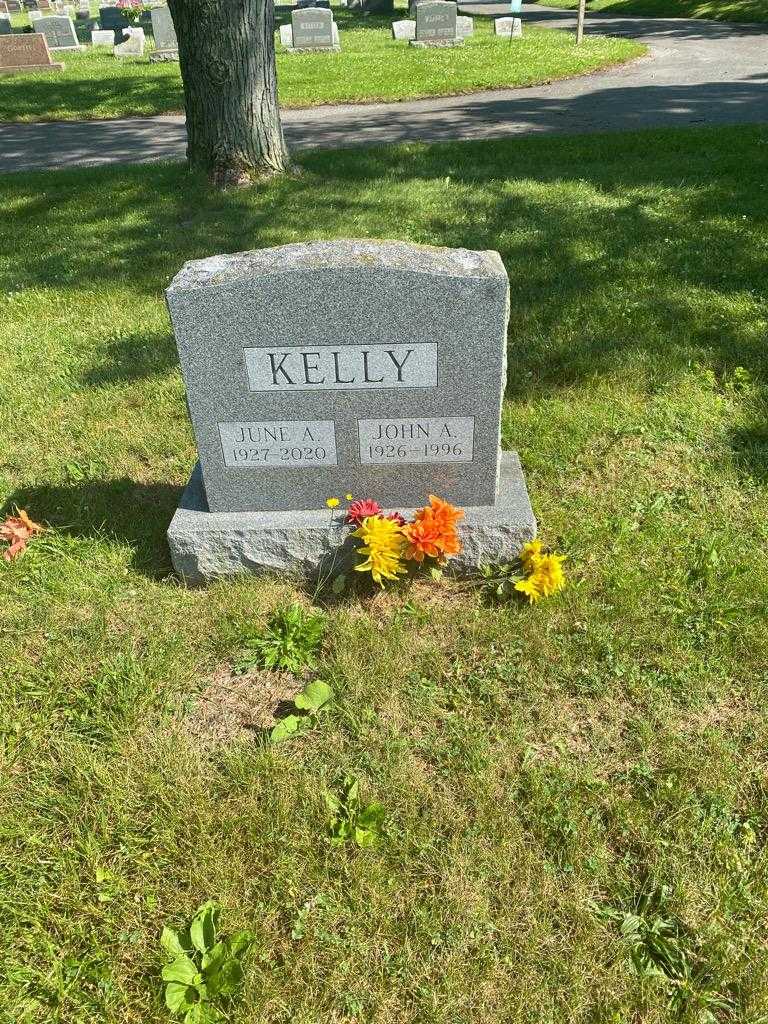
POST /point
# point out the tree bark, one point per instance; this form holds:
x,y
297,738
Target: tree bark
x,y
227,58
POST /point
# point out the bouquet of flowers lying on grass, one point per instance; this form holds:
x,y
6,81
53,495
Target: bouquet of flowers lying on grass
x,y
388,542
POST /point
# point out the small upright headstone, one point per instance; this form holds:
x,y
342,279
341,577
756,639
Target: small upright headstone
x,y
133,45
405,29
59,32
5,24
465,27
436,24
509,27
24,52
103,37
313,29
166,43
317,369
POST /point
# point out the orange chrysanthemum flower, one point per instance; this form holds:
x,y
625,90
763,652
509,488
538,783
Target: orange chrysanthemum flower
x,y
433,533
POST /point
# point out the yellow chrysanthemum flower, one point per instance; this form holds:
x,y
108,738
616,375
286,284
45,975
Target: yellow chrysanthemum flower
x,y
530,588
383,544
348,497
530,554
549,574
332,502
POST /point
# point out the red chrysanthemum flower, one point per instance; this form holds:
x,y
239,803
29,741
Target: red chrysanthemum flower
x,y
363,509
396,518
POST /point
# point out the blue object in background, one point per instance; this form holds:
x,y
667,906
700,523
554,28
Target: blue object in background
x,y
515,6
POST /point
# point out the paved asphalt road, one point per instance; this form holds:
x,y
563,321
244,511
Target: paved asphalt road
x,y
697,73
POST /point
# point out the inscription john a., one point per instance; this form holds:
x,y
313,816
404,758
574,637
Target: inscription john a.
x,y
430,439
342,368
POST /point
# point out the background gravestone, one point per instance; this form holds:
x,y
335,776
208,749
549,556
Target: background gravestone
x,y
59,32
114,19
317,369
23,52
5,25
132,44
436,24
166,44
313,28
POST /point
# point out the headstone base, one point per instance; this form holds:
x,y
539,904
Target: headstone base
x,y
422,44
163,56
313,49
206,546
26,69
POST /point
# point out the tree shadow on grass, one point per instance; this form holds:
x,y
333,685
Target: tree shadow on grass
x,y
121,510
130,357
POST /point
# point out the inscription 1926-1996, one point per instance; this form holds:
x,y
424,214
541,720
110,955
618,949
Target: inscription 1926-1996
x,y
416,440
342,368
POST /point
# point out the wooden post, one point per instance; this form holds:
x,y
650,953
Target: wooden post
x,y
580,21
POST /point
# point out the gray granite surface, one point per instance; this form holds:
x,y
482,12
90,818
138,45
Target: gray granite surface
x,y
206,546
277,344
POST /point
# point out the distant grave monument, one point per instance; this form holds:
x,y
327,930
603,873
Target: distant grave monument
x,y
5,24
59,32
132,44
103,37
24,52
317,369
166,43
113,18
312,29
510,27
436,24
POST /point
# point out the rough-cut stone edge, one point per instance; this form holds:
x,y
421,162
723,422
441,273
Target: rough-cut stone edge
x,y
423,44
206,546
26,68
367,253
313,49
163,56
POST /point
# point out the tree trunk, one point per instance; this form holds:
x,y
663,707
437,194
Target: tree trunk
x,y
227,58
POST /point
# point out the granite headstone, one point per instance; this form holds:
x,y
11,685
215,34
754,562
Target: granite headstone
x,y
510,27
113,18
313,28
5,24
24,52
132,44
317,369
103,37
405,29
59,32
164,32
436,24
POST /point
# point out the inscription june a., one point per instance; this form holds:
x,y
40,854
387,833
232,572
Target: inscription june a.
x,y
287,444
342,368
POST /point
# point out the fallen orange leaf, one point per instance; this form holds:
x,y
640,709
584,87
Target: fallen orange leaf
x,y
18,530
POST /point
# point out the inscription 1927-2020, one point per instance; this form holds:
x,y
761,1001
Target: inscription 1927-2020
x,y
286,443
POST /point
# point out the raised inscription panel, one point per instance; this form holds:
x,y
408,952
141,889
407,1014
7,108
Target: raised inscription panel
x,y
422,440
287,444
342,368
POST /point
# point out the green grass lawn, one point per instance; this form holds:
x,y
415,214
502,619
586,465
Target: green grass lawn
x,y
720,10
371,66
546,771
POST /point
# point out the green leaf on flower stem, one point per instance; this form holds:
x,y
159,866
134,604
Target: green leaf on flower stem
x,y
178,997
181,970
313,696
339,584
204,925
172,943
240,943
291,725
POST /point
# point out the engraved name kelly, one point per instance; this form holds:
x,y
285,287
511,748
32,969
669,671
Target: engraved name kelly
x,y
342,367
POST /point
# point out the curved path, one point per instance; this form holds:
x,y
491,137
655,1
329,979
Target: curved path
x,y
697,73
